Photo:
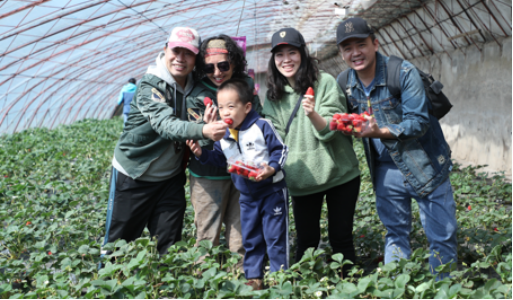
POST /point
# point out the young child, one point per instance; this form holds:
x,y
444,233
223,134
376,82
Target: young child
x,y
264,201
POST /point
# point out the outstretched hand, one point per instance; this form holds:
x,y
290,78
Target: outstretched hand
x,y
265,173
215,130
195,147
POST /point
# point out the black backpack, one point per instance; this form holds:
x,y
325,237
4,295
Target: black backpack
x,y
440,105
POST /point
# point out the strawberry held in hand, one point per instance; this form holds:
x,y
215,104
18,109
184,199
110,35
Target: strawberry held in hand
x,y
310,92
228,121
348,123
248,171
208,101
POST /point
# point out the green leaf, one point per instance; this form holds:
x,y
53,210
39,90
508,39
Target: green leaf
x,y
401,281
338,257
207,244
454,290
286,289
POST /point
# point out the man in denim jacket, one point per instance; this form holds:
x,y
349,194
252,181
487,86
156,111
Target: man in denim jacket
x,y
407,154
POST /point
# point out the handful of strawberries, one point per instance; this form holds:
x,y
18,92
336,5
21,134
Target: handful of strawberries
x,y
245,170
349,123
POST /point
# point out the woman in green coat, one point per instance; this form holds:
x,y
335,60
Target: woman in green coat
x,y
321,163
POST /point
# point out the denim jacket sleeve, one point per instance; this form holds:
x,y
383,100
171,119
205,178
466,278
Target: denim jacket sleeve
x,y
415,115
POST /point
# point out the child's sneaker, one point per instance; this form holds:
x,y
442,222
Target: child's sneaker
x,y
256,284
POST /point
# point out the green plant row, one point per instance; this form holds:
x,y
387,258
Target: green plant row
x,y
53,201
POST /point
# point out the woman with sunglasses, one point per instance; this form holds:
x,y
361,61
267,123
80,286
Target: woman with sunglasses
x,y
321,163
213,195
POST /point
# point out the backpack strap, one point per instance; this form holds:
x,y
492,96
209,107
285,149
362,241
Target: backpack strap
x,y
393,76
342,82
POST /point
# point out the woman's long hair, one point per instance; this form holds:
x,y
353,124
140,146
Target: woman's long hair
x,y
305,77
235,56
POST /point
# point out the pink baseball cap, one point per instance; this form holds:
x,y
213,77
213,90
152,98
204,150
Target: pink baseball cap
x,y
184,37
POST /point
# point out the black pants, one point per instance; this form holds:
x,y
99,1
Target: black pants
x,y
341,201
158,205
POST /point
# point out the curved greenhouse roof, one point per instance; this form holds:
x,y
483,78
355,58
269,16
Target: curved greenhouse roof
x,y
62,61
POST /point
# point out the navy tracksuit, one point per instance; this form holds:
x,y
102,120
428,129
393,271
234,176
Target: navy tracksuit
x,y
263,205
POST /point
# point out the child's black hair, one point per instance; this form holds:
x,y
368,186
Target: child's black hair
x,y
240,86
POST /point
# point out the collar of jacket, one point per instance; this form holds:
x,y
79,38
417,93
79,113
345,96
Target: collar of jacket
x,y
250,119
379,76
208,83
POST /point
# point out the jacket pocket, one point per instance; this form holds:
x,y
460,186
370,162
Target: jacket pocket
x,y
392,110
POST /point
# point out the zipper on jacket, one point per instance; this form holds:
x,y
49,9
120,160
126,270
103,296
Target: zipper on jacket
x,y
240,151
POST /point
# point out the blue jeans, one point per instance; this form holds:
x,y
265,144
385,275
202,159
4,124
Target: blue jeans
x,y
437,214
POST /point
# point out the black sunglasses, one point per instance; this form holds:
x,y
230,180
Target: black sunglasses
x,y
223,66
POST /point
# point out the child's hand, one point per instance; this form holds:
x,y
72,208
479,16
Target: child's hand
x,y
195,147
210,114
308,103
265,173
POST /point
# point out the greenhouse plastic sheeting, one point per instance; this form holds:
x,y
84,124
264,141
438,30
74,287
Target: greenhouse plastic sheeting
x,y
62,61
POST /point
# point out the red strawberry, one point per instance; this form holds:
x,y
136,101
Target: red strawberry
x,y
28,223
349,127
228,121
362,236
345,118
310,92
469,207
366,113
232,169
49,252
208,101
252,175
333,125
495,229
341,127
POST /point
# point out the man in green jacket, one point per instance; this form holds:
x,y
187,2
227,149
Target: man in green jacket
x,y
147,186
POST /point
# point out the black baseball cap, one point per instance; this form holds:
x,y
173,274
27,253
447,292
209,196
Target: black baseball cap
x,y
287,36
353,28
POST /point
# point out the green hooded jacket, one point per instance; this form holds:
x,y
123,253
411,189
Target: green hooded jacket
x,y
317,160
154,123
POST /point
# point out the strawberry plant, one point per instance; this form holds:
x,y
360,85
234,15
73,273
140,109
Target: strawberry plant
x,y
53,201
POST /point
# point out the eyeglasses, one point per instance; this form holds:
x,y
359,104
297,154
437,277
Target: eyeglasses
x,y
223,66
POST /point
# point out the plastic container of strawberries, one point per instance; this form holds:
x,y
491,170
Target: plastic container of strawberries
x,y
247,169
348,123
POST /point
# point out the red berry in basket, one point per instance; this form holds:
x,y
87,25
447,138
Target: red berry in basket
x,y
232,169
208,101
333,125
228,121
310,92
341,127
